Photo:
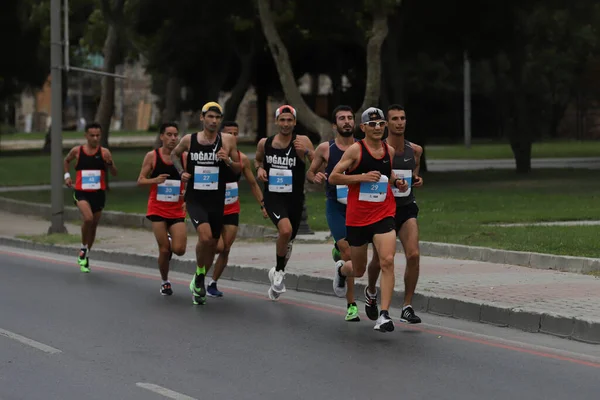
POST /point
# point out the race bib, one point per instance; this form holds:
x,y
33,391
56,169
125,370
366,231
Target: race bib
x,y
342,193
169,191
280,180
407,175
90,179
231,193
374,192
206,178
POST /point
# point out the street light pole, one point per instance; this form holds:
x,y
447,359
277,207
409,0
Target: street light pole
x,y
56,169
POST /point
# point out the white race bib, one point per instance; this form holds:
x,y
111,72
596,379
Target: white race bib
x,y
374,192
169,191
206,178
280,180
231,193
90,179
342,193
407,175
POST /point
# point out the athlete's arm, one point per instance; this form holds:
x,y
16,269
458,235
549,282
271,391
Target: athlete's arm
x,y
304,147
247,171
233,160
108,161
67,165
350,158
183,146
147,170
314,174
261,174
417,181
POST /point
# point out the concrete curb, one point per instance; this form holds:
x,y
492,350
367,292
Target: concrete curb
x,y
582,265
116,218
585,330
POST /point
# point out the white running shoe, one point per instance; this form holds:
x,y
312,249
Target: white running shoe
x,y
276,278
384,324
339,282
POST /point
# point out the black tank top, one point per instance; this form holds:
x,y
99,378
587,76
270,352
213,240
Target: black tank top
x,y
369,163
207,183
285,170
160,167
335,155
404,165
90,162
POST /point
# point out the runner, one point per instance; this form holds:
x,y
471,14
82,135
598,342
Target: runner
x,y
90,185
366,168
328,154
280,164
210,156
406,164
166,208
231,212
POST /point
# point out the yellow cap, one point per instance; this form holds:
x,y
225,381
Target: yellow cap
x,y
212,106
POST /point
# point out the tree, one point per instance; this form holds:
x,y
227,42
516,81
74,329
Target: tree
x,y
375,37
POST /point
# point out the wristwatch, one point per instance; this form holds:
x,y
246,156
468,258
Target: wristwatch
x,y
229,161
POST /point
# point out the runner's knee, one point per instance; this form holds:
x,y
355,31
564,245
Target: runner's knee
x,y
285,231
178,249
386,262
412,257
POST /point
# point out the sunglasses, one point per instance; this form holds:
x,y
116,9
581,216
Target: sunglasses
x,y
376,124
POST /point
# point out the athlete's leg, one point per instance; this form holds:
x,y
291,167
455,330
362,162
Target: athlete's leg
x,y
164,249
385,243
227,238
409,237
87,221
94,228
373,272
285,231
178,233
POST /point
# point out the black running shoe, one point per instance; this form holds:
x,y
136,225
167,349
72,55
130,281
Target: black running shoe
x,y
371,306
408,315
165,289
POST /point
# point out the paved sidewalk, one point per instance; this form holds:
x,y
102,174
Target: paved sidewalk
x,y
564,304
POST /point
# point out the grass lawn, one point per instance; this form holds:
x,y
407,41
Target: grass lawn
x,y
457,207
559,149
67,135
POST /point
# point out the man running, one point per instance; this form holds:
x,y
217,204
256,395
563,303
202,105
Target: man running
x,y
231,212
280,164
405,164
90,185
366,168
165,203
210,156
329,154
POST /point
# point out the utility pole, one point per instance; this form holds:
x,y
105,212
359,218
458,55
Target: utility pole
x,y
467,99
56,159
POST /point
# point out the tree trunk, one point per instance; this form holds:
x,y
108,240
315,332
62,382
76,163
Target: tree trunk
x,y
306,116
522,151
241,86
107,94
169,114
377,36
261,108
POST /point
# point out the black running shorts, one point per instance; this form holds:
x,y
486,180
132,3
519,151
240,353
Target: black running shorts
x,y
360,235
170,221
231,219
404,213
199,215
95,199
280,207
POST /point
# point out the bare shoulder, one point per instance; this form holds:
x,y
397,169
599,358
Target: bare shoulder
x,y
261,143
416,148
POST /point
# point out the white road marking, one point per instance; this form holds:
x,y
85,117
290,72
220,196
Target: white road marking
x,y
163,391
29,342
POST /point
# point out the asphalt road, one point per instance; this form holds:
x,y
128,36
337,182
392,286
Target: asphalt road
x,y
110,335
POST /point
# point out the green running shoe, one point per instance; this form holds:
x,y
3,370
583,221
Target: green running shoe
x,y
198,292
335,253
352,314
83,261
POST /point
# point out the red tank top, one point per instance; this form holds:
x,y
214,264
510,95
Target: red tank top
x,y
90,170
368,202
164,199
232,200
